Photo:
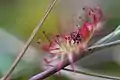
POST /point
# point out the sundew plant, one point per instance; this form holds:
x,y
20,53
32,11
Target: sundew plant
x,y
62,50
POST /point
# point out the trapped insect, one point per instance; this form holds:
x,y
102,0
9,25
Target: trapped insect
x,y
62,46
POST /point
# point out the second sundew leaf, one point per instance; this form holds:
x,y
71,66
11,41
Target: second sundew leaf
x,y
115,35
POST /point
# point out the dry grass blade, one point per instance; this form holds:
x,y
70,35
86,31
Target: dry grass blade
x,y
29,40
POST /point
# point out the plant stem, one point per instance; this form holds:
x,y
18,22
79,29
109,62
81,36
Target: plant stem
x,y
92,74
88,51
21,54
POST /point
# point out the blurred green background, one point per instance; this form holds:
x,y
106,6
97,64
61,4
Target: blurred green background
x,y
19,17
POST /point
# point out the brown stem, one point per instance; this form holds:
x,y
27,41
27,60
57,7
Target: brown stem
x,y
21,54
90,50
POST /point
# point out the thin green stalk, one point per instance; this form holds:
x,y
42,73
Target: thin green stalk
x,y
92,74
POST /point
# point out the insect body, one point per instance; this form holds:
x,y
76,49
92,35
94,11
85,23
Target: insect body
x,y
76,36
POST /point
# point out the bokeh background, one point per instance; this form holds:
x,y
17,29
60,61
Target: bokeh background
x,y
19,17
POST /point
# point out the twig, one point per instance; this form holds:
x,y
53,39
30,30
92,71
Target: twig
x,y
90,50
15,63
92,74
